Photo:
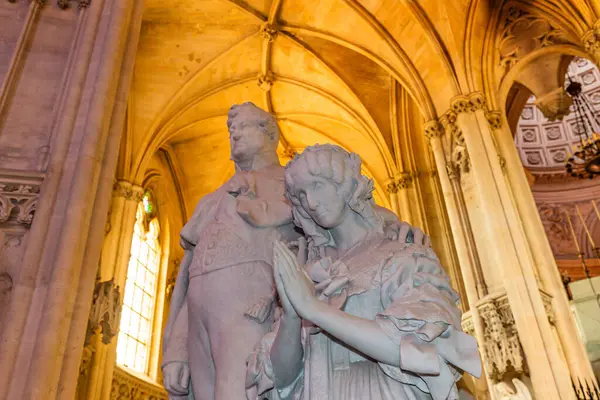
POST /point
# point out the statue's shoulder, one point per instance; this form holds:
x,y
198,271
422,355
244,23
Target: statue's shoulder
x,y
399,249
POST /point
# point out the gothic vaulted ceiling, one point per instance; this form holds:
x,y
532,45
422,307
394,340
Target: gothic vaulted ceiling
x,y
336,71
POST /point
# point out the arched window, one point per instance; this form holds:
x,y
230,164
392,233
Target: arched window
x,y
133,349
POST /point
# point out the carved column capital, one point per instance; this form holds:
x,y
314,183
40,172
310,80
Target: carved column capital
x,y
494,119
128,191
433,129
448,122
391,187
402,181
19,194
468,103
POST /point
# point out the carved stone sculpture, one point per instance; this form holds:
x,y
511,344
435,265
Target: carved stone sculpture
x,y
223,300
505,392
366,317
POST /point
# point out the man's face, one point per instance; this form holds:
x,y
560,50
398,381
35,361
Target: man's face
x,y
246,139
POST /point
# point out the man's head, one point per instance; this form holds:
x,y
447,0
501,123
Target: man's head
x,y
252,131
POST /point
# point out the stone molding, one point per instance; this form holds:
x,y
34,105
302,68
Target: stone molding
x,y
126,386
105,312
62,4
402,181
19,195
128,191
500,345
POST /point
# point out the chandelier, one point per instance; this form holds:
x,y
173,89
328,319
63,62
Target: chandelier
x,y
585,160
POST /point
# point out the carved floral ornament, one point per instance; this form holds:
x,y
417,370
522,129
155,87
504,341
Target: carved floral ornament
x,y
269,32
522,33
105,312
501,348
402,181
18,198
128,191
591,39
127,387
63,4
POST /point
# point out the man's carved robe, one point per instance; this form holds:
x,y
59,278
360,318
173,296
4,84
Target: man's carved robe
x,y
228,241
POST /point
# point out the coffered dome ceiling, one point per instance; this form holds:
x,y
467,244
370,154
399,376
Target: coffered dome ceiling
x,y
543,145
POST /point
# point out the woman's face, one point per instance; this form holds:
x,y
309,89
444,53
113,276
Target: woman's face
x,y
320,199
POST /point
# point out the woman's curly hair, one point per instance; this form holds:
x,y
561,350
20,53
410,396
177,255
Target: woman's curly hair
x,y
341,168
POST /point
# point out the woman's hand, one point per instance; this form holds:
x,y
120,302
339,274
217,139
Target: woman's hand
x,y
298,289
288,309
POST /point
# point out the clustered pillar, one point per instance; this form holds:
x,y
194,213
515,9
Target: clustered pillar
x,y
518,308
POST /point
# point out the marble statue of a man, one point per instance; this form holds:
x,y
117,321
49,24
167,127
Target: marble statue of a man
x,y
221,305
223,301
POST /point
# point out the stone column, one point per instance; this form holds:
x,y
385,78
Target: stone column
x,y
56,279
514,312
541,251
448,173
99,360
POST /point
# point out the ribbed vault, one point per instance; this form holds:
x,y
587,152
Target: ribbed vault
x,y
331,71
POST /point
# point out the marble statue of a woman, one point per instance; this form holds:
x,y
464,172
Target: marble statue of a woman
x,y
367,317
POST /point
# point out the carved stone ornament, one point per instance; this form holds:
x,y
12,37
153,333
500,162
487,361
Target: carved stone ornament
x,y
269,32
402,181
502,351
265,82
391,187
494,119
105,312
471,103
591,40
64,4
128,387
555,105
433,129
172,279
128,191
19,196
522,33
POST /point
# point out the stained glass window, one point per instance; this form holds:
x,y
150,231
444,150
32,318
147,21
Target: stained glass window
x,y
133,348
